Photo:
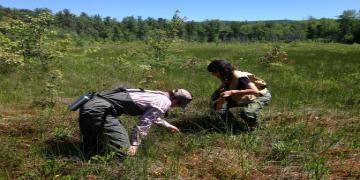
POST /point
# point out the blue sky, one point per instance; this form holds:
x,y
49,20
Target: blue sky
x,y
198,10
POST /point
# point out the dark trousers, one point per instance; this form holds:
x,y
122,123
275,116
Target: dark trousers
x,y
102,132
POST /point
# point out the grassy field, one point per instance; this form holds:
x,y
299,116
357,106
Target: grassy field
x,y
310,130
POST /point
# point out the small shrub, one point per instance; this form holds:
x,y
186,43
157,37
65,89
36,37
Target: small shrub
x,y
161,42
51,90
61,133
275,55
279,151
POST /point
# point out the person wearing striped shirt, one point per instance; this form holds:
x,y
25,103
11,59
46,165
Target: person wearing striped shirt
x,y
102,131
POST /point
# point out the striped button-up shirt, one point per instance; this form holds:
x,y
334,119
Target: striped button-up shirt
x,y
155,104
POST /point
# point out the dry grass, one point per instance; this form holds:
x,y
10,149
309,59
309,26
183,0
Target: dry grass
x,y
343,162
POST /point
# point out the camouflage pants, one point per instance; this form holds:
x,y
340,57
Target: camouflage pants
x,y
102,132
249,112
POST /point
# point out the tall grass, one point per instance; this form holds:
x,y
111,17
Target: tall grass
x,y
310,127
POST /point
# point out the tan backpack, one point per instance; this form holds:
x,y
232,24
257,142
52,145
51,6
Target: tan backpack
x,y
259,83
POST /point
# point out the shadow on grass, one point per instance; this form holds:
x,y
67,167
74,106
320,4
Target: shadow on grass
x,y
68,147
207,124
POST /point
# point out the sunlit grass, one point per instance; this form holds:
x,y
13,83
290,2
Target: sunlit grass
x,y
310,127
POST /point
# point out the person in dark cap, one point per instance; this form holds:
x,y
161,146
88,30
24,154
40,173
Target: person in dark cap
x,y
103,132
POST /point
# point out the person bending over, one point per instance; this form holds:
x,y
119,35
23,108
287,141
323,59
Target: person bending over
x,y
101,130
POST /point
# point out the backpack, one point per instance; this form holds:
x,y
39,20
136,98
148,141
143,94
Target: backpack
x,y
245,99
259,83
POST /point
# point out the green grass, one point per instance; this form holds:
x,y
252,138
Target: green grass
x,y
309,130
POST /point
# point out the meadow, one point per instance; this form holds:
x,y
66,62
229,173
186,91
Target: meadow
x,y
310,130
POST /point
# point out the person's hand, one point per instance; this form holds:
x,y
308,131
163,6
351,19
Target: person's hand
x,y
174,129
132,150
226,93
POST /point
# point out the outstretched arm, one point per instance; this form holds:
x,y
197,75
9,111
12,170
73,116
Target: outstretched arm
x,y
146,120
141,128
164,123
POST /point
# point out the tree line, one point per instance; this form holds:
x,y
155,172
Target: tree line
x,y
344,29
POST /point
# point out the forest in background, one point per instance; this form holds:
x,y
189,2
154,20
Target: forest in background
x,y
344,29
